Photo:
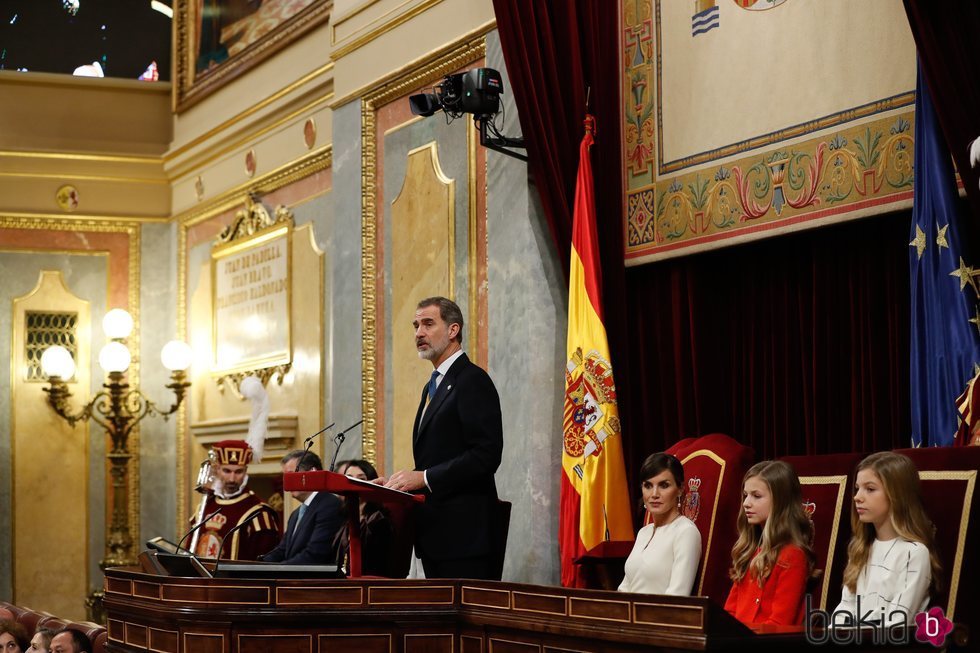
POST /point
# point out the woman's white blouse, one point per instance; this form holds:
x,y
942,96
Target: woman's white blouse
x,y
664,560
897,577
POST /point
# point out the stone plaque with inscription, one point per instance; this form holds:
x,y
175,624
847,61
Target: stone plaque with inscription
x,y
251,301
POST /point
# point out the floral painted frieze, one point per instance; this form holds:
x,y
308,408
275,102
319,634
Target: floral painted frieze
x,y
866,165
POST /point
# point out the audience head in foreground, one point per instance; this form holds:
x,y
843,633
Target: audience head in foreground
x,y
772,558
67,640
13,637
41,642
665,556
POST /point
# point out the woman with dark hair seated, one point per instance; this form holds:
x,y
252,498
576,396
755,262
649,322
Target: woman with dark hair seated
x,y
13,637
376,529
665,556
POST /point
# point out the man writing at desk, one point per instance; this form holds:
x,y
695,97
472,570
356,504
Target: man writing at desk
x,y
457,442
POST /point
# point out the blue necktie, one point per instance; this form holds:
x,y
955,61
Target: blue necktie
x,y
432,384
299,517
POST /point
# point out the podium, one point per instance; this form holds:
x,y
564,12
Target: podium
x,y
354,490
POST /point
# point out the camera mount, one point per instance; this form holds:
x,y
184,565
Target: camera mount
x,y
476,92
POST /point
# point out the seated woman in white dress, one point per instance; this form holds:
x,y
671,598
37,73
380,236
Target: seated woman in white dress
x,y
891,560
665,556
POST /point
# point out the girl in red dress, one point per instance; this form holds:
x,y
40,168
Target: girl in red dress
x,y
772,559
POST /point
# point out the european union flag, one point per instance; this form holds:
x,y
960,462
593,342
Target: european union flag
x,y
945,329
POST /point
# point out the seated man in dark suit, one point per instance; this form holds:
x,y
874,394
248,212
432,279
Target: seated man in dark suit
x,y
314,525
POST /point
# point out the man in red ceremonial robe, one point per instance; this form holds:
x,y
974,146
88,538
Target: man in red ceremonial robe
x,y
238,506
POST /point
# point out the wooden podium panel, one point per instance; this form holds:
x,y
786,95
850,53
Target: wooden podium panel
x,y
168,614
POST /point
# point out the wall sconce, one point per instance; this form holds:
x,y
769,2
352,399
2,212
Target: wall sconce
x,y
118,409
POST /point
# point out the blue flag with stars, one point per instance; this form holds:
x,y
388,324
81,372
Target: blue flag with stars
x,y
945,328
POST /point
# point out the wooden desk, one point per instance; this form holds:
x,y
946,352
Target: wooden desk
x,y
222,615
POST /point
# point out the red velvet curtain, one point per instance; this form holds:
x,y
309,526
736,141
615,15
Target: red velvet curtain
x,y
947,37
792,345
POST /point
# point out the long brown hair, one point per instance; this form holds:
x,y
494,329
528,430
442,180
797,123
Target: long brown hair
x,y
900,483
787,524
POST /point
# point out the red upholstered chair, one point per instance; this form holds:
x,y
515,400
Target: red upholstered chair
x,y
827,483
713,469
949,484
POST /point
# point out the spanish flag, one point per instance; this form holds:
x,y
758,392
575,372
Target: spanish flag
x,y
594,500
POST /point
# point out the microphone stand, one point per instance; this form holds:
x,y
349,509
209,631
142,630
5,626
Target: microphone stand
x,y
309,441
221,547
194,528
339,441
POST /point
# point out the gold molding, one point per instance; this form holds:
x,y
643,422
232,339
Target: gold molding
x,y
714,509
476,37
360,41
77,156
186,169
77,218
471,191
841,481
181,421
255,108
437,66
305,166
76,177
970,476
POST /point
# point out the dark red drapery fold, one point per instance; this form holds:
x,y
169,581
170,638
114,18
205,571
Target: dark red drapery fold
x,y
792,345
947,37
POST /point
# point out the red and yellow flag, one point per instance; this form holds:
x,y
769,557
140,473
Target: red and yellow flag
x,y
594,499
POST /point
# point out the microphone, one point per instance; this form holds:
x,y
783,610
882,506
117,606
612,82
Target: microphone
x,y
236,527
195,527
339,440
309,440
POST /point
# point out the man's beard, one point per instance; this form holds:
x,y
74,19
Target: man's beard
x,y
433,351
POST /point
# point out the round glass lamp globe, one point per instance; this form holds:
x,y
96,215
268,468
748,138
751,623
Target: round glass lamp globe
x,y
176,356
117,324
114,357
57,361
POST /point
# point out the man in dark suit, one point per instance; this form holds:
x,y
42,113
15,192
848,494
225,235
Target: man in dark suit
x,y
457,443
313,526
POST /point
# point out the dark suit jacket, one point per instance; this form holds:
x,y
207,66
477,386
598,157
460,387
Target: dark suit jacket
x,y
312,542
458,443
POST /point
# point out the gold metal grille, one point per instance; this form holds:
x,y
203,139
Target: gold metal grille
x,y
43,330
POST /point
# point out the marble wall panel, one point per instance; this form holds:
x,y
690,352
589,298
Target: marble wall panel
x,y
528,309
